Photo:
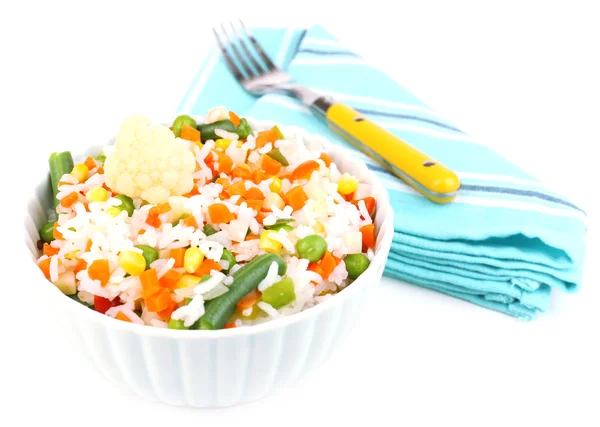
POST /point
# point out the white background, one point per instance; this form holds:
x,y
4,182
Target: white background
x,y
522,77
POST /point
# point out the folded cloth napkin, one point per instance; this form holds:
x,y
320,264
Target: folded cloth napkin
x,y
506,240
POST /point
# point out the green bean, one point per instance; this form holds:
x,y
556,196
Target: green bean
x,y
176,324
245,280
228,256
180,121
207,131
209,230
279,294
47,232
149,253
275,154
126,204
101,158
276,227
356,264
312,247
60,164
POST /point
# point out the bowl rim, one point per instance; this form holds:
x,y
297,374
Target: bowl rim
x,y
378,261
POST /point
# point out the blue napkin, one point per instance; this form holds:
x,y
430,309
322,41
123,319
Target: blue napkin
x,y
504,243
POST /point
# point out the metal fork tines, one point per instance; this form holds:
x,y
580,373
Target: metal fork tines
x,y
248,61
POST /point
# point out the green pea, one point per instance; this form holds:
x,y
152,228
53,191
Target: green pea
x,y
126,204
180,121
47,232
356,264
176,324
149,253
312,247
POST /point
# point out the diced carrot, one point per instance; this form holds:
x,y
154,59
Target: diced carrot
x,y
152,219
258,176
225,163
177,254
193,192
317,269
160,301
163,208
255,204
86,205
254,194
328,264
49,250
121,316
165,314
325,159
44,265
207,266
169,279
265,137
252,237
249,300
189,133
88,245
99,270
260,217
229,326
141,231
237,189
100,170
305,170
69,200
219,213
241,171
240,201
234,118
150,284
224,182
90,163
368,236
369,204
190,221
296,197
270,165
80,266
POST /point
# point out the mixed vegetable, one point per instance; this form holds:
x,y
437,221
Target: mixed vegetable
x,y
204,225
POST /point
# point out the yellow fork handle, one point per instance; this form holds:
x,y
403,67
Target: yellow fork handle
x,y
432,179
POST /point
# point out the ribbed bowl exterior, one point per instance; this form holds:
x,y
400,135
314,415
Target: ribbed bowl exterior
x,y
218,368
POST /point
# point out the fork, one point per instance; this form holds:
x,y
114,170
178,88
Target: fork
x,y
258,75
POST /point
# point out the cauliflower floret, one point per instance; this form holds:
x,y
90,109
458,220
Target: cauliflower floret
x,y
149,162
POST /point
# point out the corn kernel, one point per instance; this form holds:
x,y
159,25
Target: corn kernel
x,y
187,280
72,254
273,199
318,227
132,262
347,184
268,244
113,211
276,184
222,143
192,259
97,194
80,172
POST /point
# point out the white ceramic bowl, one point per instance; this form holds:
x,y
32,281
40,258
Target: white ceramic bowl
x,y
224,367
